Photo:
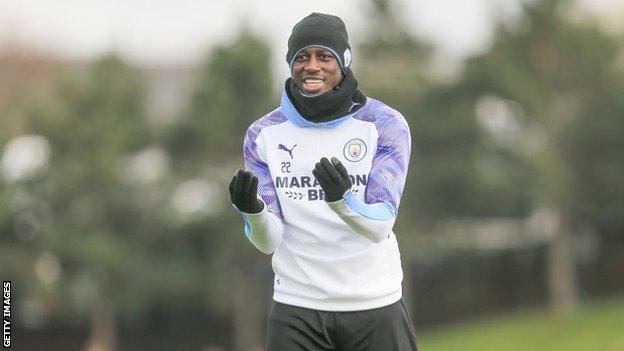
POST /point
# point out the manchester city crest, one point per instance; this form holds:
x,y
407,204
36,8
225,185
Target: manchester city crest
x,y
354,150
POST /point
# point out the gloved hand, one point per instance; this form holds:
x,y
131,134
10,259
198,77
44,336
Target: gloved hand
x,y
243,192
333,178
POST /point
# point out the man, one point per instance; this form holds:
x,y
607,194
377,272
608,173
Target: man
x,y
329,166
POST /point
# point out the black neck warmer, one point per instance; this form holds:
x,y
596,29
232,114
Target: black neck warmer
x,y
344,99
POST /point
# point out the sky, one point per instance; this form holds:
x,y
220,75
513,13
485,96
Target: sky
x,y
155,32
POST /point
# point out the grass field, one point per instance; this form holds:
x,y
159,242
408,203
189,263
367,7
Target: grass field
x,y
597,326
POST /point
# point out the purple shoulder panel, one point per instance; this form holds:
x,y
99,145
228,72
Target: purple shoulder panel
x,y
386,180
254,163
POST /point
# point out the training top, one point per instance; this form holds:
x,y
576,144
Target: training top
x,y
337,256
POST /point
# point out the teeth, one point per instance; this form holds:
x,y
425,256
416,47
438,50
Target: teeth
x,y
312,81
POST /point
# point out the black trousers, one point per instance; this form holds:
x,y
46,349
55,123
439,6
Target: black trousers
x,y
292,328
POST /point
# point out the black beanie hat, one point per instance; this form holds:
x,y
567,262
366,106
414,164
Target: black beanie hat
x,y
320,30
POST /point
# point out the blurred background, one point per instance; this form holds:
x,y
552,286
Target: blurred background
x,y
121,123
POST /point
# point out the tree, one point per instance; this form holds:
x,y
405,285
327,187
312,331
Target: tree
x,y
98,121
234,88
395,66
92,224
555,69
391,63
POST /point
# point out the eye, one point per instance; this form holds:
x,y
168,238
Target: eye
x,y
325,57
301,57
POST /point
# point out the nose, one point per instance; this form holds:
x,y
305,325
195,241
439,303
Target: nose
x,y
313,64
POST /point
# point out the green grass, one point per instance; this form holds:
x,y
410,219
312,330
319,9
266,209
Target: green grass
x,y
597,326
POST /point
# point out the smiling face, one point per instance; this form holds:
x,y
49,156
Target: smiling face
x,y
316,71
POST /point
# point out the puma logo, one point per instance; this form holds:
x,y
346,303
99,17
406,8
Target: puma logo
x,y
282,147
353,104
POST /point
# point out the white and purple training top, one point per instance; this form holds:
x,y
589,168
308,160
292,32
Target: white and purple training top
x,y
339,256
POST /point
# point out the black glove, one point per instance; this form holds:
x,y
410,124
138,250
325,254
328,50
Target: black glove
x,y
333,177
243,191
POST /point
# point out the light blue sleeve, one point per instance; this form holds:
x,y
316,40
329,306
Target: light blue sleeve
x,y
264,229
255,163
386,179
374,217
